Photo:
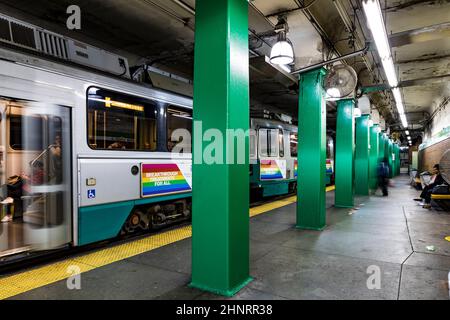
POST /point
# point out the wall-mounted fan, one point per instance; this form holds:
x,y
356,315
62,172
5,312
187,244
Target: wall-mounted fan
x,y
341,82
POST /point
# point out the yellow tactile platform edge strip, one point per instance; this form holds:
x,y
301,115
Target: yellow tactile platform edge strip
x,y
28,280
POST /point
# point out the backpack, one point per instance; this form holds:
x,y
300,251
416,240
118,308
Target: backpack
x,y
441,189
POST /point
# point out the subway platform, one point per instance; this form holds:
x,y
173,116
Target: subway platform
x,y
406,242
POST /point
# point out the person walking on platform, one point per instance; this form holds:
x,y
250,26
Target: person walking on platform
x,y
383,176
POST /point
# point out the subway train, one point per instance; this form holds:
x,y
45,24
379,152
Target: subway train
x,y
273,158
85,157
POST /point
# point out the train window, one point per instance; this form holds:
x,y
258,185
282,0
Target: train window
x,y
178,118
293,143
252,144
121,122
281,142
268,142
330,148
17,125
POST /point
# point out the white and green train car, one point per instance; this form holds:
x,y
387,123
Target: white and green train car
x,y
85,157
273,154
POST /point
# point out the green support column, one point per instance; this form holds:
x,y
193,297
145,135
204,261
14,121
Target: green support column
x,y
220,198
345,151
362,156
311,212
390,149
382,148
397,159
394,162
374,155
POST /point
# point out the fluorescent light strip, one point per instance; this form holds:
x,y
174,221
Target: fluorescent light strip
x,y
375,21
398,101
376,24
389,70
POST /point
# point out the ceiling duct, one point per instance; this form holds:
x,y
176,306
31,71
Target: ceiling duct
x,y
27,36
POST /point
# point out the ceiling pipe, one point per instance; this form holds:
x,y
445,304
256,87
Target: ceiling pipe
x,y
168,12
324,63
350,28
185,6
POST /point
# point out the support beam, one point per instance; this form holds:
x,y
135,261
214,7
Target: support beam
x,y
434,32
345,150
362,156
374,155
311,212
220,221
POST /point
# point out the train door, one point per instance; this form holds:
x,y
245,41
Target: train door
x,y
36,177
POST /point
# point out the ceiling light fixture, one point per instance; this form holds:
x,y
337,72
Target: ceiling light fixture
x,y
375,21
282,52
357,112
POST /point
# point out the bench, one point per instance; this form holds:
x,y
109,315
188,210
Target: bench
x,y
443,200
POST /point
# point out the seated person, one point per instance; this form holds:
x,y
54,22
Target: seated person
x,y
117,145
435,180
55,163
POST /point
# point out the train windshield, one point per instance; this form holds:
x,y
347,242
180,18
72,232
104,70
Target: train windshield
x,y
121,122
269,142
179,127
293,137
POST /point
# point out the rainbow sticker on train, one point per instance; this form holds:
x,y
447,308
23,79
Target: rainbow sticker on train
x,y
273,169
165,178
295,169
329,166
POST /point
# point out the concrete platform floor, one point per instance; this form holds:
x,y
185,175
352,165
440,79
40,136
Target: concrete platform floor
x,y
390,233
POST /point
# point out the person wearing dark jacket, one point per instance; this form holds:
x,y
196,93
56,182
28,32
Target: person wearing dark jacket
x,y
436,180
383,176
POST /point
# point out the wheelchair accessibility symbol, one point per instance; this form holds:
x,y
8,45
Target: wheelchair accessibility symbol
x,y
91,194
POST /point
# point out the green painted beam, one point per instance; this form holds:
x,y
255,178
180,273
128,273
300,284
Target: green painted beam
x,y
220,221
362,156
345,151
311,213
374,156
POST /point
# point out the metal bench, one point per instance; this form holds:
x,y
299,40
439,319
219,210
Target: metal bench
x,y
442,200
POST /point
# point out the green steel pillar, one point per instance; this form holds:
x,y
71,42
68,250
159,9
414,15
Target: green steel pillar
x,y
345,151
362,156
382,148
220,198
390,149
397,159
373,161
311,212
394,161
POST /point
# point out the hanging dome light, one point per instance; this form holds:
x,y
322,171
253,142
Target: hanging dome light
x,y
282,52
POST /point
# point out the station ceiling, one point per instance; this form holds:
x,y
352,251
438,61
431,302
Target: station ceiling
x,y
161,32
